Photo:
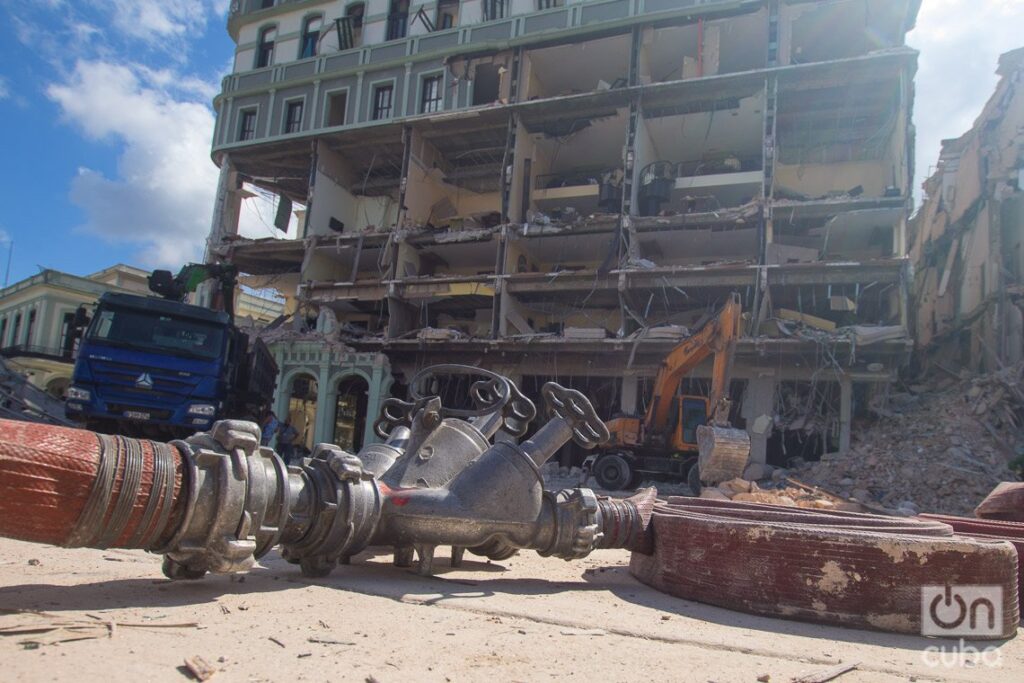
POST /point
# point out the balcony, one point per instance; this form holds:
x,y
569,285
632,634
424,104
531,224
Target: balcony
x,y
35,351
399,46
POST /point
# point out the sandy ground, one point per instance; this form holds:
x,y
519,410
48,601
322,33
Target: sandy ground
x,y
526,619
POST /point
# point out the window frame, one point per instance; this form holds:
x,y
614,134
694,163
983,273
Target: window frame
x,y
30,325
549,4
242,112
326,113
392,16
457,4
261,47
15,329
490,9
286,110
438,76
375,86
305,35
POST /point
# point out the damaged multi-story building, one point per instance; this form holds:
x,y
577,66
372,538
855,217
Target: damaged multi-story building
x,y
559,189
966,240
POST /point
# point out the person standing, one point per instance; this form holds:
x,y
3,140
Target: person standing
x,y
286,434
268,427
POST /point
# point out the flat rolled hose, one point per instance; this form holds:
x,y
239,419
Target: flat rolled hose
x,y
840,568
993,530
75,488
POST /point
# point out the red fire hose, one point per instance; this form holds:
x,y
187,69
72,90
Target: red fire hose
x,y
75,488
841,568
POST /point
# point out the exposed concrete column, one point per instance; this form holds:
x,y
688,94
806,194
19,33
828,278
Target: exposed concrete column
x,y
630,390
845,412
759,411
226,207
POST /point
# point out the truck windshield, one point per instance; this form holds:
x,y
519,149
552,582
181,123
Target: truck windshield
x,y
156,333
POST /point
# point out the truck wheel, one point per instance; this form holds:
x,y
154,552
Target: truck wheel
x,y
693,479
613,472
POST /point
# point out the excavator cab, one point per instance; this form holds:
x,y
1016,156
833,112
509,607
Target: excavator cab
x,y
693,412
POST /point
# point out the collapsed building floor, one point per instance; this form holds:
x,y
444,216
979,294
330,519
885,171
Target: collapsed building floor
x,y
579,203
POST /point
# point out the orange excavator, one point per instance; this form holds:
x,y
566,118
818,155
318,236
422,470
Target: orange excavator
x,y
681,434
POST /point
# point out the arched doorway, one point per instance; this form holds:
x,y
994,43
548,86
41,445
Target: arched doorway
x,y
302,409
350,413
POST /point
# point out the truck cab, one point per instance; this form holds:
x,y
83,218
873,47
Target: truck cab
x,y
162,366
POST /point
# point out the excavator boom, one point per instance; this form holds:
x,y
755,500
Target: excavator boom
x,y
717,336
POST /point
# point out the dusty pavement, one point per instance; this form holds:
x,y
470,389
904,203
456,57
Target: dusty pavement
x,y
526,619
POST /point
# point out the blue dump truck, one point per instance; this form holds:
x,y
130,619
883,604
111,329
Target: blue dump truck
x,y
158,368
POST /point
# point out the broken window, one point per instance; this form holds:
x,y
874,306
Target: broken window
x,y
265,49
486,82
447,14
293,117
383,98
432,95
247,127
398,20
336,109
550,4
310,36
495,9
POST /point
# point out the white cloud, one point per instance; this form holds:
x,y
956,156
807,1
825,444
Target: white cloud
x,y
162,196
156,20
960,43
4,90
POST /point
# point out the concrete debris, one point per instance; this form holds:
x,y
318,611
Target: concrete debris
x,y
663,332
942,450
807,319
585,333
866,335
199,668
791,494
435,334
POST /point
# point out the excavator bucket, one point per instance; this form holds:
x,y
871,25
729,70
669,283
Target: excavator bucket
x,y
723,453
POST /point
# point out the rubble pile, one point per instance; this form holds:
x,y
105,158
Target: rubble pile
x,y
786,494
939,447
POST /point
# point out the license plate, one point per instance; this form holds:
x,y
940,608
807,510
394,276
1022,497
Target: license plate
x,y
136,415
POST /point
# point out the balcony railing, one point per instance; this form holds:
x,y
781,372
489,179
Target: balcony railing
x,y
35,351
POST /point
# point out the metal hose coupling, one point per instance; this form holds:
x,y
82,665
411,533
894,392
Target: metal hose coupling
x,y
339,513
237,500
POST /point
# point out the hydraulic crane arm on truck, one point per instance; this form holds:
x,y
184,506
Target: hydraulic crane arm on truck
x,y
664,442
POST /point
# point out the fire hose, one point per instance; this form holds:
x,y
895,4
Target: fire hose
x,y
842,568
217,501
467,478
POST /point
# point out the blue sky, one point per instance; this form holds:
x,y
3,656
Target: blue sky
x,y
107,120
